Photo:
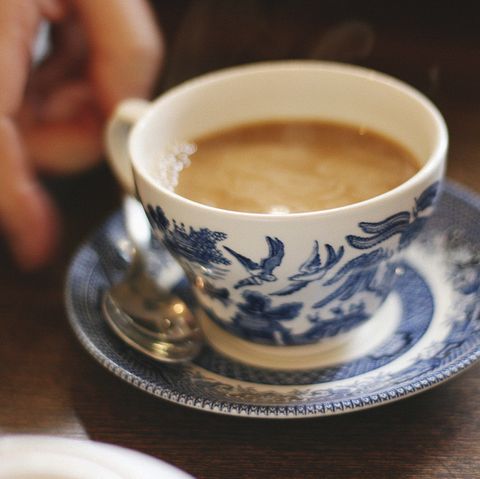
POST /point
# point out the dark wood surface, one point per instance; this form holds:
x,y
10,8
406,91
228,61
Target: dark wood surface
x,y
50,385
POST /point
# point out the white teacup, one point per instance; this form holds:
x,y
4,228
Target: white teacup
x,y
296,300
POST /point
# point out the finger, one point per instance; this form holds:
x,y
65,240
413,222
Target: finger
x,y
79,141
19,22
67,136
126,48
67,101
60,119
27,215
66,58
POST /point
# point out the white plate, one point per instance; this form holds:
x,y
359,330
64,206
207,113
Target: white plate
x,y
430,332
42,457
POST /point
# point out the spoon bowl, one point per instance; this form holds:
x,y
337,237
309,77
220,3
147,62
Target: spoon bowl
x,y
143,313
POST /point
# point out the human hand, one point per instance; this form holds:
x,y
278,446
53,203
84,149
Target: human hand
x,y
52,116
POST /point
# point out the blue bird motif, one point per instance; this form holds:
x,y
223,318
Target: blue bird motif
x,y
262,271
312,269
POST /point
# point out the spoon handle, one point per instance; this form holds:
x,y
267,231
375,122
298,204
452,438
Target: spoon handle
x,y
153,256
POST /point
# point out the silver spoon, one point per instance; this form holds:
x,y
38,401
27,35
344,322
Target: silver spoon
x,y
145,315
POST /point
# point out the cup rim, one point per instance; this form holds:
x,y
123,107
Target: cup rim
x,y
437,156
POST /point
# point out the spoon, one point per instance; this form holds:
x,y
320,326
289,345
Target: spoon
x,y
141,309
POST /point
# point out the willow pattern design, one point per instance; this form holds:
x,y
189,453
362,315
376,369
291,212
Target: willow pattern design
x,y
354,287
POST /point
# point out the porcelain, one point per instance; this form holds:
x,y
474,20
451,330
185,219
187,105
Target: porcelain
x,y
40,457
288,279
430,332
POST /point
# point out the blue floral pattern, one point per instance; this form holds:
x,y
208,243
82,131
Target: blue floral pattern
x,y
405,224
256,318
347,281
392,371
417,310
362,277
341,319
219,294
195,245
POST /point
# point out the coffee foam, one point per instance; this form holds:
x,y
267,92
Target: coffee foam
x,y
283,167
172,161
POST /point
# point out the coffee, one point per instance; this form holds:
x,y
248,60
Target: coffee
x,y
290,166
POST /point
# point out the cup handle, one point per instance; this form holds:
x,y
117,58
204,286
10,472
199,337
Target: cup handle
x,y
127,113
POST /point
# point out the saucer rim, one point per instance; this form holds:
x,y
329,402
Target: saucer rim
x,y
232,408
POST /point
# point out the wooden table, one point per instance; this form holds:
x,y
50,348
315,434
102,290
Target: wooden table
x,y
50,385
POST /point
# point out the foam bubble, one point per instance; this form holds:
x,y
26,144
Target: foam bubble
x,y
172,161
279,210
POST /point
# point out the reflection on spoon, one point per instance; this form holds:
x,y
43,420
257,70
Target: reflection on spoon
x,y
148,317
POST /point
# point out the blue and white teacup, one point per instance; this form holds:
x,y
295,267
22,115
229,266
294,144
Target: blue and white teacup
x,y
276,284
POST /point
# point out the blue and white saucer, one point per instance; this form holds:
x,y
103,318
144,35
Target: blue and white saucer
x,y
430,331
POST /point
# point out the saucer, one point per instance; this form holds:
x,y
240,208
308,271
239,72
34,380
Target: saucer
x,y
36,456
430,331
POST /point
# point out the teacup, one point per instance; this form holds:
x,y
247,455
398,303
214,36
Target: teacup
x,y
284,280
